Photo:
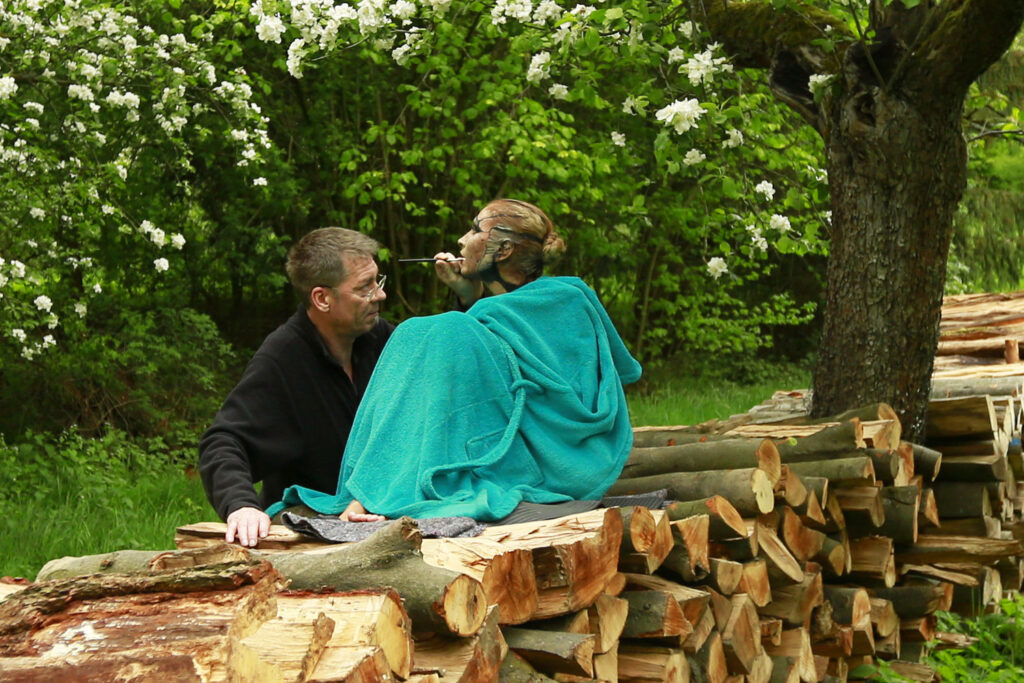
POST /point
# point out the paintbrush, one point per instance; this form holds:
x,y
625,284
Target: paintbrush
x,y
428,260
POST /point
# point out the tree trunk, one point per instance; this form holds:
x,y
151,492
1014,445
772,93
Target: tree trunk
x,y
896,160
896,174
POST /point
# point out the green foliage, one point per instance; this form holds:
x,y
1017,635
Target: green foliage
x,y
996,655
157,372
72,495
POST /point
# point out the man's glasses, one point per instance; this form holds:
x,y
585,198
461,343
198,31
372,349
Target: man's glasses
x,y
377,287
371,290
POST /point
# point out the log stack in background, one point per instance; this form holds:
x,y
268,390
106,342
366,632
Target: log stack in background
x,y
791,551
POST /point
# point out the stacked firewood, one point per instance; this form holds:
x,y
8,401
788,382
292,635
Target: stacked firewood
x,y
788,553
980,333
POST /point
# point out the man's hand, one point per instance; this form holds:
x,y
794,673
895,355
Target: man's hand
x,y
449,272
355,512
249,524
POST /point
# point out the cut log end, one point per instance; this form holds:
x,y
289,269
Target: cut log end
x,y
764,491
463,606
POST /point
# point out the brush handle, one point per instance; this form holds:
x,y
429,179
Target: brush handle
x,y
427,260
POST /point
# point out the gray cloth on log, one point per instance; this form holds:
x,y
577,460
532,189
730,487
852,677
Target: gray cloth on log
x,y
655,500
333,530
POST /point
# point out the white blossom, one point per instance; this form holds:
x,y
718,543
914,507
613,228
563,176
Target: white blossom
x,y
19,334
52,321
177,240
694,156
681,114
37,213
766,188
686,28
43,303
402,9
295,55
261,181
547,9
34,107
819,83
735,138
618,139
128,100
270,29
7,87
161,264
82,92
676,54
157,236
780,223
17,269
81,309
717,267
559,91
539,67
97,288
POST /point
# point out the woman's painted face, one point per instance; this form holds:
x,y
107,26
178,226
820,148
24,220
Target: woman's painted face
x,y
473,244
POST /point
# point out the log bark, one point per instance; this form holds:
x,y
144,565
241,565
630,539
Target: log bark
x,y
654,614
872,556
723,519
726,454
476,659
849,471
646,539
794,604
551,652
749,490
741,637
915,601
638,664
438,600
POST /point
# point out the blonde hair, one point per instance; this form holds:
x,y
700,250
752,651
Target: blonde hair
x,y
537,243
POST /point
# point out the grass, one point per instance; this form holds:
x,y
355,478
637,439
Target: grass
x,y
670,398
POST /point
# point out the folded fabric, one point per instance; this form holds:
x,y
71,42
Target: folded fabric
x,y
468,414
331,529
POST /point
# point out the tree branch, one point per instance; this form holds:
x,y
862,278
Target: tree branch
x,y
965,38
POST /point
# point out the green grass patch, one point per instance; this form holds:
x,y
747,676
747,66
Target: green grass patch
x,y
671,397
68,495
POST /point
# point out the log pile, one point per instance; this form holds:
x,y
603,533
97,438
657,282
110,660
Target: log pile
x,y
791,550
790,553
980,335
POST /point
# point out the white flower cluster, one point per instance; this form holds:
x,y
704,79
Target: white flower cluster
x,y
717,267
518,10
681,114
693,157
540,67
701,67
765,188
756,238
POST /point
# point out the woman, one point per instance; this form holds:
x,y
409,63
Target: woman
x,y
517,399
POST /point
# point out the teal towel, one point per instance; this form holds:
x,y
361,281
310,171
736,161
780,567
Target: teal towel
x,y
467,414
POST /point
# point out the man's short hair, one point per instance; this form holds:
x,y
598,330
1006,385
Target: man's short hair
x,y
320,258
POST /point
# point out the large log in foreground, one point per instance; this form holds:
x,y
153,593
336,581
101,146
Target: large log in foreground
x,y
437,599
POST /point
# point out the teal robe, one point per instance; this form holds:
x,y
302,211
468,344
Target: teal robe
x,y
519,399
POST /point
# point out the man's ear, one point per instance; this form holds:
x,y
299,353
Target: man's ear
x,y
321,298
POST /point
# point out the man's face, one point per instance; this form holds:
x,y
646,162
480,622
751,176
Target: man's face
x,y
356,301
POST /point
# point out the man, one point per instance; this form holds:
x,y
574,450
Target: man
x,y
288,419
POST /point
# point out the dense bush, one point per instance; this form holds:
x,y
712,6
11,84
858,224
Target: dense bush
x,y
147,373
